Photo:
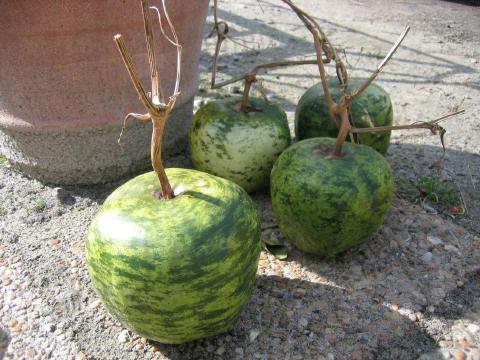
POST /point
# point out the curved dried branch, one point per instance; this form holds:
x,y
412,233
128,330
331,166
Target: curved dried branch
x,y
221,36
127,59
313,25
255,71
323,46
332,106
157,91
250,76
175,42
162,30
430,125
158,111
141,117
380,67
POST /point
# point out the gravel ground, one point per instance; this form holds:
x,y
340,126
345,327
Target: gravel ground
x,y
411,292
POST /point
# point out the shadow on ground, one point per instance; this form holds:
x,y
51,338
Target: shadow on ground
x,y
465,2
299,318
374,301
4,341
281,45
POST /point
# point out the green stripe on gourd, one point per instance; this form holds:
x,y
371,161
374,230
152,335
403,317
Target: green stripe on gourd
x,y
372,108
241,147
176,270
328,205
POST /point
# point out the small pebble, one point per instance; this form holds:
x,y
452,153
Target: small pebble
x,y
123,337
30,353
434,240
95,304
253,334
459,355
473,328
427,257
220,350
81,356
13,323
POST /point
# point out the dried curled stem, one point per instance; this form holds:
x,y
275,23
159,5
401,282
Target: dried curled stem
x,y
325,53
158,110
341,110
430,125
380,67
221,29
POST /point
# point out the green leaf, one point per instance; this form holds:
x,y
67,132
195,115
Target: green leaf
x,y
4,162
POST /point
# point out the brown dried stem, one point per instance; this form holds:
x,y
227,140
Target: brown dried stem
x,y
327,46
127,59
431,125
157,111
324,47
250,77
157,91
332,106
380,67
256,70
342,108
344,130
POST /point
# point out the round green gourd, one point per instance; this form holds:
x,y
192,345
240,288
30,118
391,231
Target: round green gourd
x,y
177,270
241,147
324,204
372,108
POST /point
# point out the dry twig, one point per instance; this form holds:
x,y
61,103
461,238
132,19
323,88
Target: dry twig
x,y
342,108
158,110
221,29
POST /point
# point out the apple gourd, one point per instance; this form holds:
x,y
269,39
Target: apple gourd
x,y
373,108
236,145
327,204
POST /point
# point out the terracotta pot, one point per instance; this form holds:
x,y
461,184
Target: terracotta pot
x,y
64,90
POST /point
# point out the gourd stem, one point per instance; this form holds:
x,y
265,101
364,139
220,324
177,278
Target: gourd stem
x,y
157,110
342,133
246,93
166,192
332,106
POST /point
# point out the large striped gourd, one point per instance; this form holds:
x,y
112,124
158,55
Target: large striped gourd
x,y
176,270
326,204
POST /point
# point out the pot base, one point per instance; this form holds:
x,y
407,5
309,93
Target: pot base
x,y
90,156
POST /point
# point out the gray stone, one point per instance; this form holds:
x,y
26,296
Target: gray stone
x,y
427,257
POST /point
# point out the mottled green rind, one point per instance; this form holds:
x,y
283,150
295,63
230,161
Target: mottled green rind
x,y
241,147
372,108
177,270
328,205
